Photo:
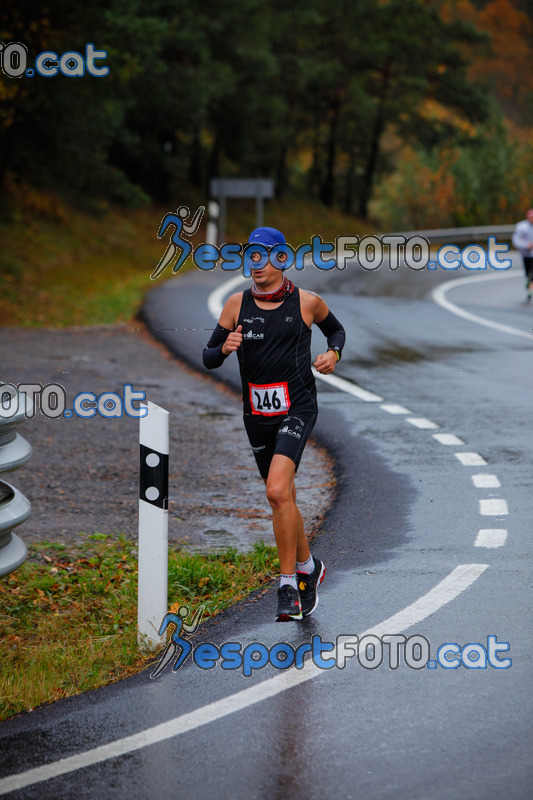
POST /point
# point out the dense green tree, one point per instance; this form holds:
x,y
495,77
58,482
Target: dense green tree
x,y
58,131
492,177
303,90
416,76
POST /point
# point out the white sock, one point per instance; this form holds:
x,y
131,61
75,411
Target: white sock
x,y
288,580
306,566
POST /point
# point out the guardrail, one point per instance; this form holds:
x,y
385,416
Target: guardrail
x,y
14,452
474,234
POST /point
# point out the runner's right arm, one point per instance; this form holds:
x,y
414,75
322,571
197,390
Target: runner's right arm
x,y
224,339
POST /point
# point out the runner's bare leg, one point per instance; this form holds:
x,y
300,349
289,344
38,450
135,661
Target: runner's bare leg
x,y
286,517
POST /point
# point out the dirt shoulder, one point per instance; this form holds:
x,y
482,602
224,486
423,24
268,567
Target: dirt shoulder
x,y
83,474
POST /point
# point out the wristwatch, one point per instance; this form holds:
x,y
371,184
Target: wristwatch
x,y
336,350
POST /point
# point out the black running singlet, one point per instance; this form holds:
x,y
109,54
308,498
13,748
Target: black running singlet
x,y
275,359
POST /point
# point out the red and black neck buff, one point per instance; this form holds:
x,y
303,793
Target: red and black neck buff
x,y
284,290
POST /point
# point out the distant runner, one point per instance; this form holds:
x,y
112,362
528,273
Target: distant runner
x,y
269,327
523,241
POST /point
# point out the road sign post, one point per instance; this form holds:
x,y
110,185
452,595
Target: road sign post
x,y
153,525
223,188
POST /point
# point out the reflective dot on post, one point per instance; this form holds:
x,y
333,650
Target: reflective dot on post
x,y
152,493
152,460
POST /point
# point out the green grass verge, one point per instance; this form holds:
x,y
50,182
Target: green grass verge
x,y
78,269
68,616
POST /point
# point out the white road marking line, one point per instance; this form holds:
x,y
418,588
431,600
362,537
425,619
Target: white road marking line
x,y
439,297
485,481
447,438
422,423
348,386
444,592
393,408
448,589
471,459
491,537
215,301
493,507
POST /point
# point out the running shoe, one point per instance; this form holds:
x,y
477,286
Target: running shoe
x,y
308,586
289,605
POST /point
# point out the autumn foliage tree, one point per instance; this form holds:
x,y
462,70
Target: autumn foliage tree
x,y
323,97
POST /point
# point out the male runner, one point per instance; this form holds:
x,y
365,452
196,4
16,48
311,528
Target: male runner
x,y
523,241
269,327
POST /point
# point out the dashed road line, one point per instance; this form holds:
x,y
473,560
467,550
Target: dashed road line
x,y
394,408
447,438
485,481
491,537
422,423
349,387
493,507
471,459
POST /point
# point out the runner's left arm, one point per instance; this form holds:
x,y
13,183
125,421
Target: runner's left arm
x,y
212,354
225,339
335,334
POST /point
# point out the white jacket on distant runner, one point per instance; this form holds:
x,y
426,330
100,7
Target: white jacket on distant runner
x,y
523,237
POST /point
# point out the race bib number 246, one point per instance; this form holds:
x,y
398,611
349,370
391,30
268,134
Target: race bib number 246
x,y
269,399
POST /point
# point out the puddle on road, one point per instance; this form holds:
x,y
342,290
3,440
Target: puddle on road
x,y
219,539
212,414
392,354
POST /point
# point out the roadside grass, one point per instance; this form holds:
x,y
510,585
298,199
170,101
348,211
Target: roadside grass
x,y
65,266
68,616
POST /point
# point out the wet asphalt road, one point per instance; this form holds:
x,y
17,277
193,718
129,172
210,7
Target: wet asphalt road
x,y
406,517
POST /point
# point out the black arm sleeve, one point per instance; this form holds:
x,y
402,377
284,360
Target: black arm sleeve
x,y
212,354
335,333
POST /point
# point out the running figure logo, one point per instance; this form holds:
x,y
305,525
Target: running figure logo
x,y
178,220
176,640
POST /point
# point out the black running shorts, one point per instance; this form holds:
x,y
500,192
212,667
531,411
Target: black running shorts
x,y
286,436
528,267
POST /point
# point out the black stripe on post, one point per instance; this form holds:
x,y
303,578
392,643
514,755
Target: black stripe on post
x,y
153,477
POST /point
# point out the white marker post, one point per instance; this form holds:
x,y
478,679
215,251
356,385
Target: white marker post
x,y
153,525
211,234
